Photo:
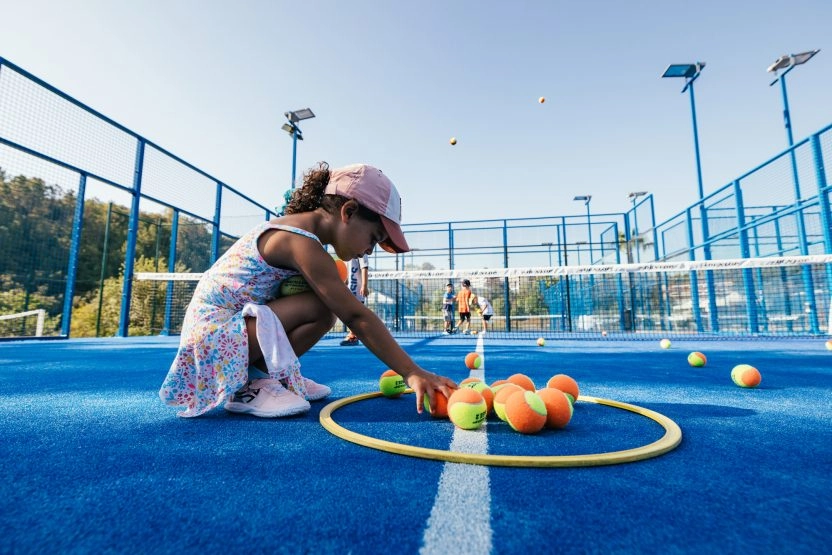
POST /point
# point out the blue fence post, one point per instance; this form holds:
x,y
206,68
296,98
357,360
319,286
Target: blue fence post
x,y
174,233
506,288
619,279
450,246
74,248
132,233
747,273
694,279
825,216
760,283
215,235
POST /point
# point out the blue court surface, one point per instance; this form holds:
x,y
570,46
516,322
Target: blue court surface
x,y
93,462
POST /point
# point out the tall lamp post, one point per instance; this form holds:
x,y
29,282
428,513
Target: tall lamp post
x,y
690,72
633,198
586,199
788,63
291,127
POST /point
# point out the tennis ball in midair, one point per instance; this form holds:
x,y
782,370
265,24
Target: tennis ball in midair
x,y
541,342
441,408
467,408
745,375
473,361
525,412
567,384
664,343
697,359
293,285
501,396
558,407
523,381
452,141
482,389
391,384
542,99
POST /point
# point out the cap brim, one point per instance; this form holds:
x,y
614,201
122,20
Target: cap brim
x,y
395,242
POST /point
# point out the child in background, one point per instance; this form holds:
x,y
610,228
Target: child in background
x,y
464,300
358,283
448,308
240,341
486,311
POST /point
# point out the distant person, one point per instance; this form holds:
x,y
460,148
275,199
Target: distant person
x,y
240,341
448,299
358,281
485,310
463,300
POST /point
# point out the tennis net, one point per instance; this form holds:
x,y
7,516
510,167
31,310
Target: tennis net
x,y
761,297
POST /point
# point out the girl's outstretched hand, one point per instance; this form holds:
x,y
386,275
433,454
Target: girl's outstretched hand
x,y
423,382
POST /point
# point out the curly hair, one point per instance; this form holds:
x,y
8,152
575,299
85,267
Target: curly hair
x,y
310,195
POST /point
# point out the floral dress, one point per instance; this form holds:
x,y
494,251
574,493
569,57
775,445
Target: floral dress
x,y
212,361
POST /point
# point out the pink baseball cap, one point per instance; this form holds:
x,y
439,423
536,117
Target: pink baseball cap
x,y
373,190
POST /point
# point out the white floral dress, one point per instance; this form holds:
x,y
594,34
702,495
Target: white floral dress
x,y
212,361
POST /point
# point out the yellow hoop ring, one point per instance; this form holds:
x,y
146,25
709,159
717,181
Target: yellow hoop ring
x,y
671,439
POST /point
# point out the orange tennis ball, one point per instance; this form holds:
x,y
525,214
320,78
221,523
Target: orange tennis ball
x,y
452,141
541,342
482,389
745,375
467,408
567,384
829,345
473,361
391,384
542,99
525,412
496,383
441,408
501,395
558,407
697,359
523,381
469,380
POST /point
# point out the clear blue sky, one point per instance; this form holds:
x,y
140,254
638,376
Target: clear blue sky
x,y
391,82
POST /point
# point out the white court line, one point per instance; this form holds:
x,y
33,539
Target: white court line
x,y
462,508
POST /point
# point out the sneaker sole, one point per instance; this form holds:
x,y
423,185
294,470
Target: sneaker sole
x,y
254,411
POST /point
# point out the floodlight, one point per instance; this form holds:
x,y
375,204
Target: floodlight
x,y
299,115
683,70
636,194
585,198
789,60
288,128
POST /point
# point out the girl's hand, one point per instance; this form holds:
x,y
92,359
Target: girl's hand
x,y
423,382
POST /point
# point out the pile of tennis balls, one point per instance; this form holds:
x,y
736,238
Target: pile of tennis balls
x,y
743,375
514,400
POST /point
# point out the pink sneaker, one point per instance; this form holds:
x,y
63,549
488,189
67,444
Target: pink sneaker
x,y
315,391
267,398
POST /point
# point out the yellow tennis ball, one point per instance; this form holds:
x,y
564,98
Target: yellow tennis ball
x,y
483,390
697,359
745,375
467,408
391,384
664,343
452,141
293,285
541,342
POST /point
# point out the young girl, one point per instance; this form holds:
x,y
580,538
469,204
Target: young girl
x,y
240,341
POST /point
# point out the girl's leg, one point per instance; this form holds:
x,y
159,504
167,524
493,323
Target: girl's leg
x,y
304,317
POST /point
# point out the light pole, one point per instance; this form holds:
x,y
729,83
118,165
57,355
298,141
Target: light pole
x,y
291,127
690,72
586,199
788,63
549,248
633,198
